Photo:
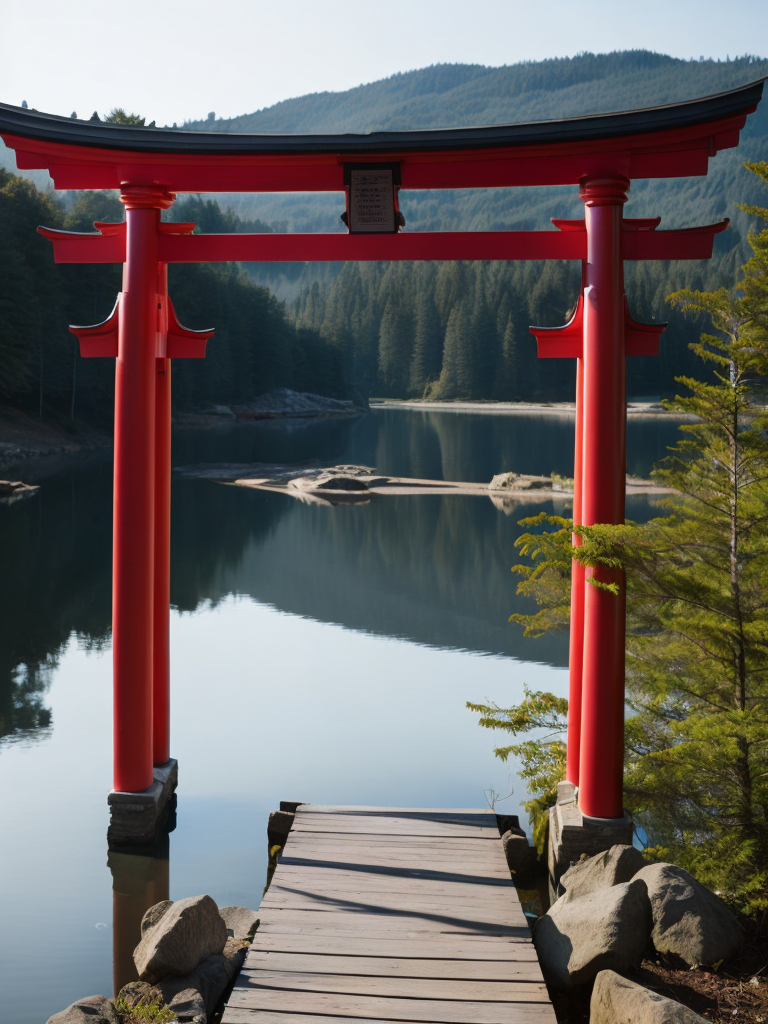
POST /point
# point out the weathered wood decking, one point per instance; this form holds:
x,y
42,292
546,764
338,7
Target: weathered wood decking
x,y
391,914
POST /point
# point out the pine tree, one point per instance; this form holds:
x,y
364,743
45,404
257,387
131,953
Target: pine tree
x,y
505,387
394,349
697,580
428,347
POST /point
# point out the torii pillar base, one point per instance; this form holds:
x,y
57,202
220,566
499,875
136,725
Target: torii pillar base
x,y
572,835
136,819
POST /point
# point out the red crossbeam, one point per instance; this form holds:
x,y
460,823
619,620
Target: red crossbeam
x,y
108,246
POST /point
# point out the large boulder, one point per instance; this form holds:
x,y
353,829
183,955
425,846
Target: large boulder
x,y
606,929
91,1010
241,923
689,920
187,933
521,859
200,990
615,1000
619,864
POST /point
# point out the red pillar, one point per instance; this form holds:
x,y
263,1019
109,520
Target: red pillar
x,y
602,707
161,734
576,645
134,493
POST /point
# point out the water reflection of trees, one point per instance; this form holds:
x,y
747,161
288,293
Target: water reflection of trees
x,y
434,570
55,565
431,569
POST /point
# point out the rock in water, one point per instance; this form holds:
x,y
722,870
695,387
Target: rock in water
x,y
188,932
606,929
619,864
241,922
91,1010
688,919
618,1001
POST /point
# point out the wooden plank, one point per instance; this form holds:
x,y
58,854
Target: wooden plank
x,y
414,866
404,911
391,1009
405,988
503,911
477,818
407,880
394,967
499,899
447,843
240,1015
372,825
448,874
410,922
399,945
315,844
363,809
342,880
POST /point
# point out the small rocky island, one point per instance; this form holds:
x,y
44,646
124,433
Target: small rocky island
x,y
14,490
316,484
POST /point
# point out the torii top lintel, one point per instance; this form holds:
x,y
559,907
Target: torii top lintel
x,y
675,140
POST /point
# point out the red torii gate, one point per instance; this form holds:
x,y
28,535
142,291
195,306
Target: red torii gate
x,y
149,166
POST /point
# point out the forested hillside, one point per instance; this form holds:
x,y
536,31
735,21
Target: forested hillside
x,y
256,346
446,330
462,330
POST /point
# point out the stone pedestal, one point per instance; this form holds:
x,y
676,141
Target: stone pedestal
x,y
135,819
571,834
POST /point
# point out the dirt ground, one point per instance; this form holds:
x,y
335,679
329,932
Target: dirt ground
x,y
736,992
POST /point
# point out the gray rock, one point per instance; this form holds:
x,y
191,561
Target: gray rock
x,y
615,1000
189,1006
204,987
689,920
91,1010
521,859
188,932
153,915
606,929
519,482
241,923
619,864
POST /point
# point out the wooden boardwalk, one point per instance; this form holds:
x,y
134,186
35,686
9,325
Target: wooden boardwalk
x,y
391,914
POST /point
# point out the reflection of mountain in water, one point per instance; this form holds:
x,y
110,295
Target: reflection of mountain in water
x,y
434,570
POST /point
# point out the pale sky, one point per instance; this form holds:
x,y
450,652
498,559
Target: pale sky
x,y
170,60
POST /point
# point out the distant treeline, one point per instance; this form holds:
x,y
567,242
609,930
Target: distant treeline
x,y
256,347
460,330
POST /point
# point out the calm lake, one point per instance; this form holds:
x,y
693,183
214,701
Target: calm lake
x,y
318,654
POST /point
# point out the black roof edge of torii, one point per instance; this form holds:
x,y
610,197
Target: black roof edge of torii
x,y
32,124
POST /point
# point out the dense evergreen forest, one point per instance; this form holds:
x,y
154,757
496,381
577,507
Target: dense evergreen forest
x,y
257,346
445,330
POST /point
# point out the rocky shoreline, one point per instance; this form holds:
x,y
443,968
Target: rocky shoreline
x,y
189,955
279,404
